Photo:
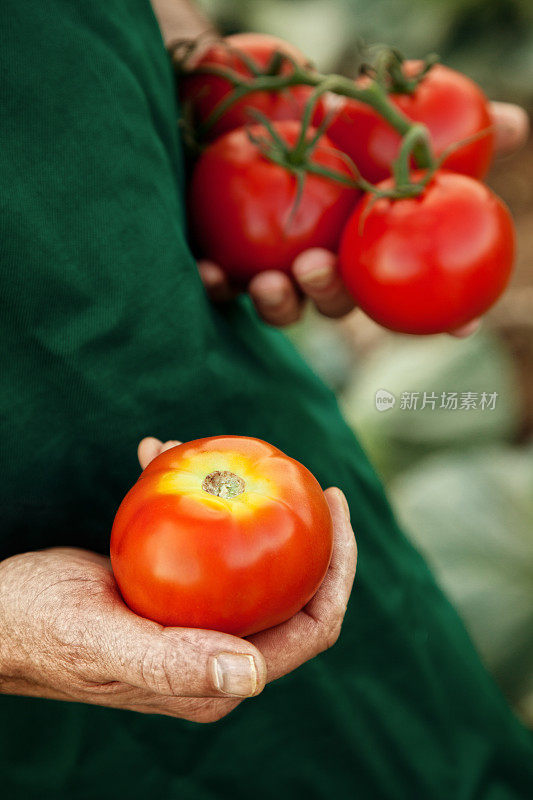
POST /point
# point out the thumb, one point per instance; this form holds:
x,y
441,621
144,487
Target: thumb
x,y
183,662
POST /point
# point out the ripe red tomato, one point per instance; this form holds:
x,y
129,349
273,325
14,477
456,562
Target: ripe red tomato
x,y
225,533
451,106
204,92
429,264
242,205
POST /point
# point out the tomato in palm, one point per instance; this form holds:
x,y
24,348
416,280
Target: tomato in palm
x,y
452,107
246,213
431,263
204,92
225,533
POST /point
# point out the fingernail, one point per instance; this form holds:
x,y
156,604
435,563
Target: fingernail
x,y
514,115
235,674
275,297
318,277
467,330
209,277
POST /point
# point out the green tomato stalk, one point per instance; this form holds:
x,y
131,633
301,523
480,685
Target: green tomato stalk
x,y
385,78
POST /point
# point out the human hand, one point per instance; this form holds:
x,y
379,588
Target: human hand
x,y
279,300
66,634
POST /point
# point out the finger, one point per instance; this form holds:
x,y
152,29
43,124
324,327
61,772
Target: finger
x,y
317,626
511,127
148,449
179,662
216,282
466,330
332,597
275,298
168,445
316,273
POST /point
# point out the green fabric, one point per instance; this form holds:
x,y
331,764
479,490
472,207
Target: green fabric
x,y
107,336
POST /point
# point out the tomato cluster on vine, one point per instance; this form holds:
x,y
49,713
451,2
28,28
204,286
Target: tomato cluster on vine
x,y
385,169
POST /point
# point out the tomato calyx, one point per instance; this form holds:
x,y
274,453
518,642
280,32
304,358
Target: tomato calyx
x,y
389,71
296,158
224,484
404,184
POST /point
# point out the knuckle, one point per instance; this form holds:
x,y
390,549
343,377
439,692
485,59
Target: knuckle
x,y
330,630
71,640
158,670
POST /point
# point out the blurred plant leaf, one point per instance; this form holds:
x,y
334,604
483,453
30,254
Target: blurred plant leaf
x,y
325,348
491,40
471,515
395,438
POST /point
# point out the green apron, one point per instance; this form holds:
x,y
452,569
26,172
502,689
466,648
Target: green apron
x,y
107,336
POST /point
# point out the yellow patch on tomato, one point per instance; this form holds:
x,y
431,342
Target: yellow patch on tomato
x,y
187,479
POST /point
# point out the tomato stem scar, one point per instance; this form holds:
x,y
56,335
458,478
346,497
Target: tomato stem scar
x,y
223,484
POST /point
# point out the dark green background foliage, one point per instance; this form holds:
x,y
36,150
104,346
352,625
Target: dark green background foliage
x,y
492,40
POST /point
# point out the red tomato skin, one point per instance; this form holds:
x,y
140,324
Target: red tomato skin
x,y
241,205
205,92
182,562
429,264
452,107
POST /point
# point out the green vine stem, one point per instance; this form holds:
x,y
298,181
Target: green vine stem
x,y
401,168
374,94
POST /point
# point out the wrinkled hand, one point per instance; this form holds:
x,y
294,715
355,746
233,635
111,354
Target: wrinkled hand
x,y
66,634
279,300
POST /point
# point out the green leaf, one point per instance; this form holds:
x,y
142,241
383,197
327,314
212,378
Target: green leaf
x,y
471,515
